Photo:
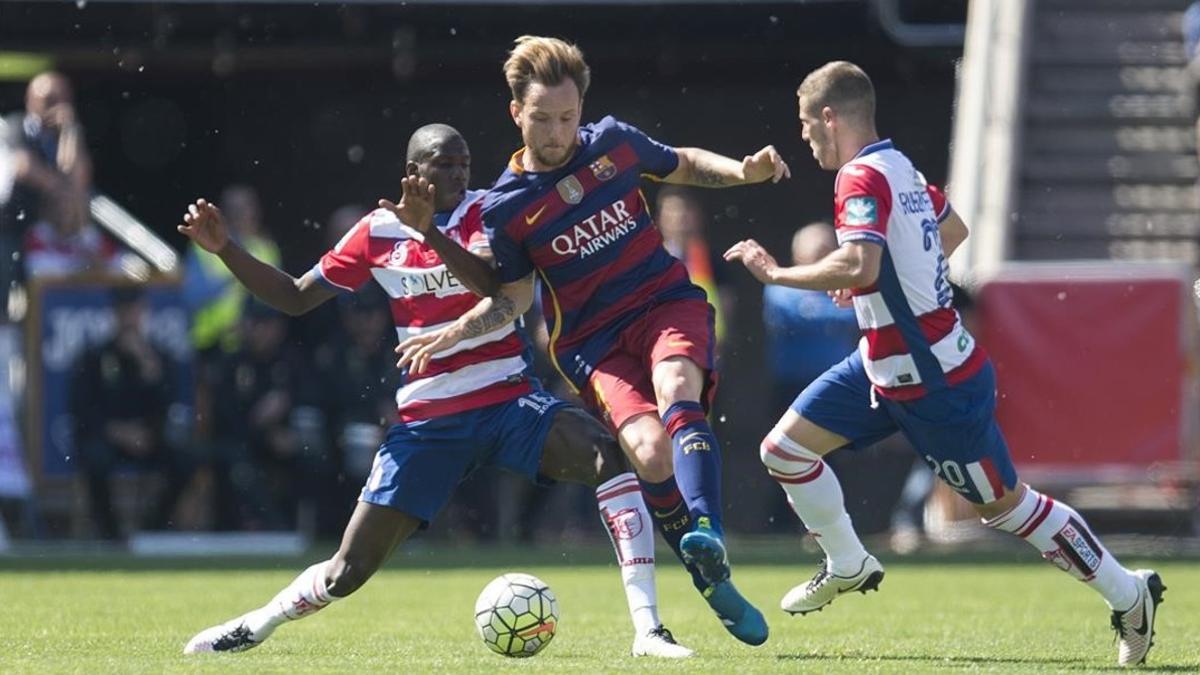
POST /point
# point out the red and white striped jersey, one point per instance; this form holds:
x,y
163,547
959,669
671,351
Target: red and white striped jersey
x,y
913,341
425,297
49,253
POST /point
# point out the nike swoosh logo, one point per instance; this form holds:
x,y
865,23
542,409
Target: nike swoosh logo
x,y
668,514
529,220
1144,627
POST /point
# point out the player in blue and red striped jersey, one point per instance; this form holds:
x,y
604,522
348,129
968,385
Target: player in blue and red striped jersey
x,y
628,328
917,371
473,405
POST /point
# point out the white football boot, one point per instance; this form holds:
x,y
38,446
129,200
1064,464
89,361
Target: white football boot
x,y
231,636
659,642
1135,626
824,587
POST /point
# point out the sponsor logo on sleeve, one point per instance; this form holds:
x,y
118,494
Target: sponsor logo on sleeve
x,y
860,211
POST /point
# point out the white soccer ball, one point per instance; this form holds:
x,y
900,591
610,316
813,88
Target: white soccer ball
x,y
516,615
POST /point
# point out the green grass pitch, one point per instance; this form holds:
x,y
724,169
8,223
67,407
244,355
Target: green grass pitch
x,y
126,616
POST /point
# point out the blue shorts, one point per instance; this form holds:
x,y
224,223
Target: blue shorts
x,y
953,429
421,463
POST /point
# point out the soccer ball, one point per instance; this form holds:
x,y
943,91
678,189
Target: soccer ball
x,y
516,615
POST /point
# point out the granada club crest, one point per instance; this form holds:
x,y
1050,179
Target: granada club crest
x,y
399,254
603,169
624,524
571,190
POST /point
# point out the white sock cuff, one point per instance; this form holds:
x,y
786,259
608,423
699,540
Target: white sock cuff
x,y
320,586
792,447
1025,515
618,485
787,460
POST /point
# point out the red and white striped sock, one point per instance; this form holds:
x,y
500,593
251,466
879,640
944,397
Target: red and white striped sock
x,y
632,533
1064,539
306,595
815,494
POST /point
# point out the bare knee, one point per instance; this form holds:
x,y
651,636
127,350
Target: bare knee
x,y
1002,505
651,456
677,379
348,573
675,387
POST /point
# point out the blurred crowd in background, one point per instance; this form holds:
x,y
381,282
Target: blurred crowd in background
x,y
271,423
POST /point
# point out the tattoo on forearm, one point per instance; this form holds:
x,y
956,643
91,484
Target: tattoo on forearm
x,y
502,311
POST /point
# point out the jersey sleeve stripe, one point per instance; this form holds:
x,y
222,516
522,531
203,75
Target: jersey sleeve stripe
x,y
944,213
331,284
845,236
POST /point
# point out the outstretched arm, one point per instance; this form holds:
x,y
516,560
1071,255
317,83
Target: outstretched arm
x,y
708,169
512,300
203,224
473,270
853,265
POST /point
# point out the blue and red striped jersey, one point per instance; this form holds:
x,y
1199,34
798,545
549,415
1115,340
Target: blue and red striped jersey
x,y
587,231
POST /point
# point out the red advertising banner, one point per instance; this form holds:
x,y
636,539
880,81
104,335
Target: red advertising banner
x,y
1095,366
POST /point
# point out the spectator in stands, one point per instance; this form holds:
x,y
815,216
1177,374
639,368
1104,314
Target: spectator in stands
x,y
45,161
683,224
321,326
120,394
64,242
214,296
262,450
340,221
357,372
806,333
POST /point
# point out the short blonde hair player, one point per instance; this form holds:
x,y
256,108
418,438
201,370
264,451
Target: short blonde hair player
x,y
917,370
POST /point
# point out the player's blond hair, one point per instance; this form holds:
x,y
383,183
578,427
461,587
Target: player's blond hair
x,y
545,60
842,86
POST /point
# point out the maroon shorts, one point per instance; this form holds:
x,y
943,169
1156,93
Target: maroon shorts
x,y
621,388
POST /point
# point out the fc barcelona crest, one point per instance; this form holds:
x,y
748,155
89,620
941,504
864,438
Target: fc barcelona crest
x,y
571,190
603,169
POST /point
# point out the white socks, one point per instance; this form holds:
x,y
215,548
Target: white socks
x,y
306,595
815,494
632,532
1065,541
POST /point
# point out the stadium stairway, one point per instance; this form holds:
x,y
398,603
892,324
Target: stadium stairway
x,y
1108,144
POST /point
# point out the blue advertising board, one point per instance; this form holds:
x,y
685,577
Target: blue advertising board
x,y
68,319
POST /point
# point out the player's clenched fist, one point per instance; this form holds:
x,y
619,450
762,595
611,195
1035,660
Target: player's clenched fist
x,y
765,164
203,224
756,259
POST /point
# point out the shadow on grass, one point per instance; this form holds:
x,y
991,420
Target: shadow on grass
x,y
1064,663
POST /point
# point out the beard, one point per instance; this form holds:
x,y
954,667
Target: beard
x,y
551,158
